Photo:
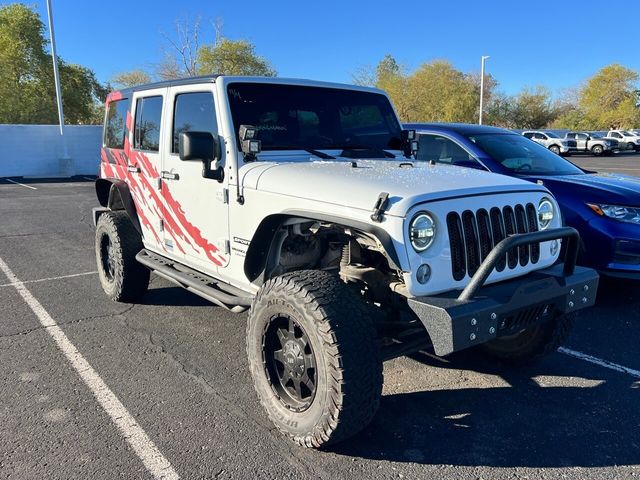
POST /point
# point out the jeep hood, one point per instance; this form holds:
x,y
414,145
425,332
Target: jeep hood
x,y
339,183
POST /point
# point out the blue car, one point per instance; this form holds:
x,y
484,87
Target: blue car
x,y
603,207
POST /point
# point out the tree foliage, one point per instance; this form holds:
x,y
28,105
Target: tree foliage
x,y
130,78
27,91
232,57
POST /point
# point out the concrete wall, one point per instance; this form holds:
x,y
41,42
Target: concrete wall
x,y
36,150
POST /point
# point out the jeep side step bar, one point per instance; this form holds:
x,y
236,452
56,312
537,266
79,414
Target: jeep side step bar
x,y
202,285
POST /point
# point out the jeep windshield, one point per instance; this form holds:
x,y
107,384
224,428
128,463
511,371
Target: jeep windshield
x,y
523,157
292,117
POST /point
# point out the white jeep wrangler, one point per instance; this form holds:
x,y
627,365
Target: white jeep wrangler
x,y
300,201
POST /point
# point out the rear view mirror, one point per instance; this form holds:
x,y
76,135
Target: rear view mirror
x,y
201,146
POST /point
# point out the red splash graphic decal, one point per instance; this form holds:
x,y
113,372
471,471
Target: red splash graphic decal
x,y
149,202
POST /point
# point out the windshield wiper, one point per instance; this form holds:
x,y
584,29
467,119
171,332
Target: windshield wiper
x,y
347,148
317,153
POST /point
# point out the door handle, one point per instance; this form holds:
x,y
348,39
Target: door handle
x,y
133,169
170,176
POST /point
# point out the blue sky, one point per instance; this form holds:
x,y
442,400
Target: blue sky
x,y
555,43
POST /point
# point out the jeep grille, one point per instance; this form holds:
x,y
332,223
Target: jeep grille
x,y
473,235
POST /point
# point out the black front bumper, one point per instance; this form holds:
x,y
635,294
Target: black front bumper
x,y
482,313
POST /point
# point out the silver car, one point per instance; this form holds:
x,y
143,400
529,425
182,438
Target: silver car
x,y
553,142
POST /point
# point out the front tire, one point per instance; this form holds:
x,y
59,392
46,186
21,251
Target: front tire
x,y
555,149
123,279
533,343
597,150
314,357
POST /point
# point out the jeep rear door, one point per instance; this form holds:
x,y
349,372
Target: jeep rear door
x,y
196,223
145,162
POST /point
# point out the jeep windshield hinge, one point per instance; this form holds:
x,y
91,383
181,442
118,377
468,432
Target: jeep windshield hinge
x,y
381,205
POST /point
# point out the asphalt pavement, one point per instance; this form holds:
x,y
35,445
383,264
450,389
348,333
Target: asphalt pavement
x,y
95,389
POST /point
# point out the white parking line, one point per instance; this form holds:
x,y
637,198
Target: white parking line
x,y
48,279
21,184
599,361
90,179
142,445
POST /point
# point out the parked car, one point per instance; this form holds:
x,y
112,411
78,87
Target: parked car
x,y
592,143
628,140
603,207
551,141
298,201
635,131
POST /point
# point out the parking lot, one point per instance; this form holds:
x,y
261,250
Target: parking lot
x,y
94,389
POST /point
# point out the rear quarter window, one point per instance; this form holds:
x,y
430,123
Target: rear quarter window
x,y
115,123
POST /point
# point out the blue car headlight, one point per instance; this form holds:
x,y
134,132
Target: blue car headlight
x,y
617,212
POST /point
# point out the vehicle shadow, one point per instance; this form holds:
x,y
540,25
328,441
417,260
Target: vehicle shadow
x,y
560,412
529,423
173,297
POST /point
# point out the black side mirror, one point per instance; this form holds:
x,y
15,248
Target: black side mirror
x,y
201,146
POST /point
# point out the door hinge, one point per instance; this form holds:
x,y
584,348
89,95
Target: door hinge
x,y
223,195
161,225
223,245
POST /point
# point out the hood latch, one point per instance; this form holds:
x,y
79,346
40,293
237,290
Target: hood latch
x,y
381,205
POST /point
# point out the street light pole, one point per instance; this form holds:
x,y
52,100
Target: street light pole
x,y
484,59
56,79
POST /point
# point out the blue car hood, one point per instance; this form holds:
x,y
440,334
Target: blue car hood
x,y
612,188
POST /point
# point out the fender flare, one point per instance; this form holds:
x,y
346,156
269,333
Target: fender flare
x,y
261,244
114,194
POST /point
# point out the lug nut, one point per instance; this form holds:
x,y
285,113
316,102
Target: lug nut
x,y
492,330
493,316
472,337
572,292
570,304
586,288
474,321
584,299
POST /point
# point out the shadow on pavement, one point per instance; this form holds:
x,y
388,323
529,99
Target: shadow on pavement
x,y
522,425
559,412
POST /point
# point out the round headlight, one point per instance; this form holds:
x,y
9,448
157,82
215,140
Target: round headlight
x,y
422,231
546,213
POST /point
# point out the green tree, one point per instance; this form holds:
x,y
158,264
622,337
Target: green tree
x,y
609,99
533,108
441,93
130,79
232,57
27,92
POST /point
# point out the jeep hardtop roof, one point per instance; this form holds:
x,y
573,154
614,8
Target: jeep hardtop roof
x,y
238,78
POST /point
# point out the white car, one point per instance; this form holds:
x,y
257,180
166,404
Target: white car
x,y
300,201
628,140
553,142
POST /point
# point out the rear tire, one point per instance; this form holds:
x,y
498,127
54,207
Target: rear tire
x,y
597,150
533,343
314,357
123,279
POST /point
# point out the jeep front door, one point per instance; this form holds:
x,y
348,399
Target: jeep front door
x,y
196,226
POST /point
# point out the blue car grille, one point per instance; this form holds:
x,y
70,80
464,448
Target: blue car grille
x,y
473,235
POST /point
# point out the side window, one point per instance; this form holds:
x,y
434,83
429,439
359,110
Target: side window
x,y
616,135
193,112
443,150
114,128
528,134
147,124
574,135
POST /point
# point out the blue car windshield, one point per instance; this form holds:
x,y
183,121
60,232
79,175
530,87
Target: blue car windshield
x,y
521,156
